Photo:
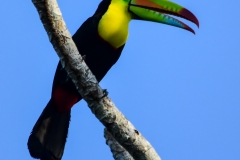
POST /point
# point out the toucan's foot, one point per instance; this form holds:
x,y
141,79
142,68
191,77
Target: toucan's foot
x,y
105,93
84,57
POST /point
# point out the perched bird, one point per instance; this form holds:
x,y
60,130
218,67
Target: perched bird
x,y
100,39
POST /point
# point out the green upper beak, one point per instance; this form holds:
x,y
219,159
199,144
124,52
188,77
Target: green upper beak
x,y
159,11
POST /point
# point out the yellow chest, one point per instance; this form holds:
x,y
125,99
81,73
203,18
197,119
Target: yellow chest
x,y
113,26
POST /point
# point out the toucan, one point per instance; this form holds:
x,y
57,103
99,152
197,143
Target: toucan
x,y
100,40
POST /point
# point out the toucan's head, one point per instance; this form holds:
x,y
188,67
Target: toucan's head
x,y
160,11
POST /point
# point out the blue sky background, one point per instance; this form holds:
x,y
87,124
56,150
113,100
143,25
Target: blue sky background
x,y
181,91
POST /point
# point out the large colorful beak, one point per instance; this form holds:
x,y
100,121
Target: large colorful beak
x,y
160,11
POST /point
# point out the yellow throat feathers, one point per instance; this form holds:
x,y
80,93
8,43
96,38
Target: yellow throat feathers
x,y
113,26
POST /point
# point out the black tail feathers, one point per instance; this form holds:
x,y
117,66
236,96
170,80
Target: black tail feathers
x,y
49,134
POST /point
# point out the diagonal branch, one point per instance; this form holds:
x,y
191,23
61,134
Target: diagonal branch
x,y
119,153
102,107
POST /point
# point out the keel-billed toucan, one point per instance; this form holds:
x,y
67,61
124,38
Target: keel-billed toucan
x,y
101,39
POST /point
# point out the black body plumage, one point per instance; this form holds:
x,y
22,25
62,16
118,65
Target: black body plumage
x,y
48,137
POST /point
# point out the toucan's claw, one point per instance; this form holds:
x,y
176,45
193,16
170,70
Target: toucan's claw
x,y
105,93
84,57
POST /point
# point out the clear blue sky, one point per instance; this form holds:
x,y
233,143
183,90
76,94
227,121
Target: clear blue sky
x,y
181,91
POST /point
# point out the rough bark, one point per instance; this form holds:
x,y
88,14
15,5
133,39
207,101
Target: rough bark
x,y
119,153
101,106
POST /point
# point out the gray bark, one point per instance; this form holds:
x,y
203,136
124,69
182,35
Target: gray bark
x,y
119,153
101,106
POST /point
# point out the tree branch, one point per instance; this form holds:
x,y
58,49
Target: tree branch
x,y
119,153
103,108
